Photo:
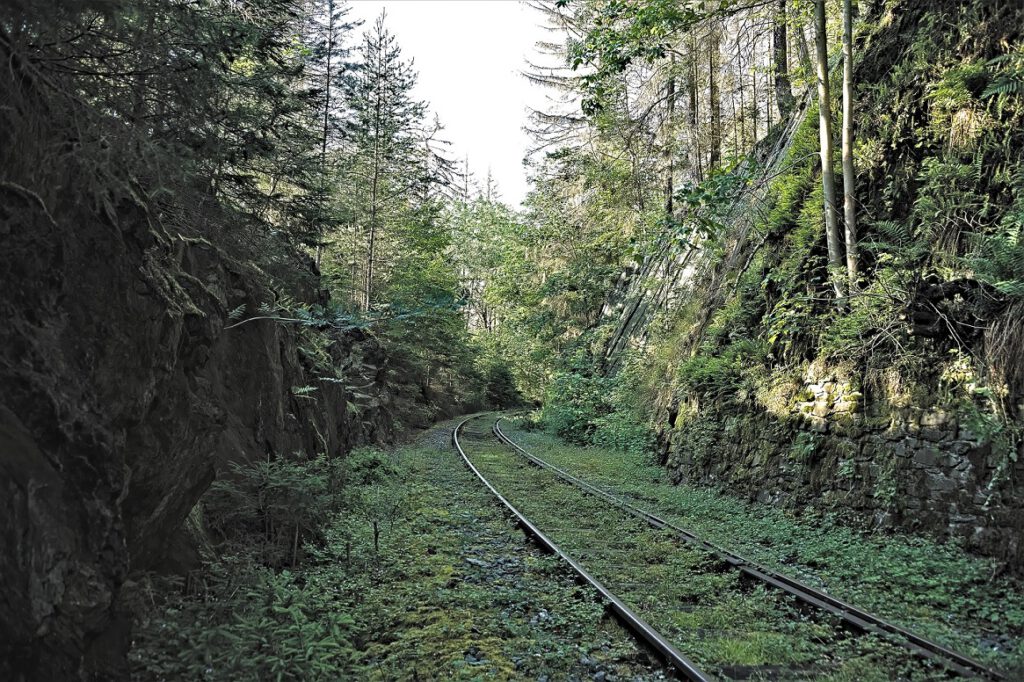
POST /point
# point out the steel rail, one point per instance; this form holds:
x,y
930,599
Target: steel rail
x,y
850,614
627,616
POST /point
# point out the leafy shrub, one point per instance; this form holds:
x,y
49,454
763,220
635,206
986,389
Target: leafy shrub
x,y
574,401
283,502
623,431
251,624
720,376
367,466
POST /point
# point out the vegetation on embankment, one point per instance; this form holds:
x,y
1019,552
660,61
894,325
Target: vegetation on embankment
x,y
414,572
937,590
196,275
684,298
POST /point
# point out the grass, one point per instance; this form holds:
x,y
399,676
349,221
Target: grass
x,y
726,624
937,590
454,592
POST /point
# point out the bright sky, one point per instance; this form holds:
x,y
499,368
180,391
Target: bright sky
x,y
469,55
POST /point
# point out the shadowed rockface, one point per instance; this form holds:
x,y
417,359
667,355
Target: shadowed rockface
x,y
121,391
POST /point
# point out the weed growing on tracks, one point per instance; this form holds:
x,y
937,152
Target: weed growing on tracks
x,y
453,591
937,590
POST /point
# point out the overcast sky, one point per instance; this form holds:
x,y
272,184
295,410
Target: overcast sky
x,y
469,55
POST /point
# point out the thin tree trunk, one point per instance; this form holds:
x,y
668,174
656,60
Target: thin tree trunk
x,y
828,179
325,133
696,166
780,63
756,109
715,156
849,172
371,246
670,139
374,192
742,145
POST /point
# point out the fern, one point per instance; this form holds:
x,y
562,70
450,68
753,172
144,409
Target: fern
x,y
998,260
304,392
1010,79
896,242
895,232
1007,85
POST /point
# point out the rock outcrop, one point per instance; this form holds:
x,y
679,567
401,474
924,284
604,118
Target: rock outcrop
x,y
122,386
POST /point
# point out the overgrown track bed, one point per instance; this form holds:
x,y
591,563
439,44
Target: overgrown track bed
x,y
852,616
728,621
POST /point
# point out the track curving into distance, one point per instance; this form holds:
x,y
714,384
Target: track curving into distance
x,y
849,617
629,618
853,616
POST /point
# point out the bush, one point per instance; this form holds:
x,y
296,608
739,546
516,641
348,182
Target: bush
x,y
622,431
282,502
251,624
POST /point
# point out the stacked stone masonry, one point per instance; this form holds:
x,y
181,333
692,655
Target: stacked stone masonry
x,y
910,468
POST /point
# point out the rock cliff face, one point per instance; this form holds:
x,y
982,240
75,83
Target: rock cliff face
x,y
122,388
875,465
723,330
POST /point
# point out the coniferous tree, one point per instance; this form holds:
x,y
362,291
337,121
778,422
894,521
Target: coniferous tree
x,y
328,72
387,162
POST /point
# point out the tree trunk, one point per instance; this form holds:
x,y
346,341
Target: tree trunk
x,y
670,139
849,172
741,145
715,155
780,63
696,167
756,108
374,195
325,133
828,179
804,52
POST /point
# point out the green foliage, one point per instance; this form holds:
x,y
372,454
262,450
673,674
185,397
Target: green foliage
x,y
720,376
1009,78
710,202
997,258
805,447
500,386
283,502
625,31
574,401
253,624
950,202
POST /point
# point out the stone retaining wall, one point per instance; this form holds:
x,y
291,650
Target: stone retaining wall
x,y
877,466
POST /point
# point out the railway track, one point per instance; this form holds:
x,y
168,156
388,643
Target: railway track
x,y
708,612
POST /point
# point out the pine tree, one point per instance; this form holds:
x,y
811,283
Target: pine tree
x,y
328,72
387,162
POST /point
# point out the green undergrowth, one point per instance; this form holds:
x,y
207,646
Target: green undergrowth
x,y
726,626
449,589
938,590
